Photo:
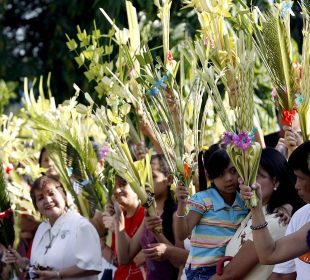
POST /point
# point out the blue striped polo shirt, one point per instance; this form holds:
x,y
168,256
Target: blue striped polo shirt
x,y
216,227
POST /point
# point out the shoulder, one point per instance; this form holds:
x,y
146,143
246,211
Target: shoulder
x,y
202,196
43,227
202,201
300,217
75,221
305,210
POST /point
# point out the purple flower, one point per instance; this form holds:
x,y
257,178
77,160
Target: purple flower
x,y
228,138
104,152
273,93
242,140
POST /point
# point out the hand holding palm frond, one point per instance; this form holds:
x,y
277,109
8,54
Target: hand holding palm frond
x,y
138,174
239,137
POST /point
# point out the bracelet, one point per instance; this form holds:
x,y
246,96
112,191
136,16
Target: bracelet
x,y
180,216
259,227
59,275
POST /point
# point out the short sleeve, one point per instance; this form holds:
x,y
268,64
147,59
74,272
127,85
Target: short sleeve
x,y
197,203
87,247
289,266
285,268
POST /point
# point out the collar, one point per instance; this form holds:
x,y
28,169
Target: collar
x,y
219,203
59,223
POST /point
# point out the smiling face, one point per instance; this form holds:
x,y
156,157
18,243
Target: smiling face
x,y
124,194
50,200
302,185
227,181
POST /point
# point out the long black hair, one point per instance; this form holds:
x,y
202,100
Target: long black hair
x,y
170,204
275,164
212,163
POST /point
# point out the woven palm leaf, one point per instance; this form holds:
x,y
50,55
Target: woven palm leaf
x,y
273,43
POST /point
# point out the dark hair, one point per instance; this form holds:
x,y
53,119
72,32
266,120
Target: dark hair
x,y
163,164
300,158
275,164
41,155
213,161
41,183
170,204
120,180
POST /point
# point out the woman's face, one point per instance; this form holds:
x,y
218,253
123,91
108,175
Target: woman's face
x,y
267,184
47,163
160,180
50,201
124,194
227,182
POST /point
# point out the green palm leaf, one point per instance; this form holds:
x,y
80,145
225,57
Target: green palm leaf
x,y
273,44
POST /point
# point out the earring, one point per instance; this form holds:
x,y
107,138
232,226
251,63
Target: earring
x,y
276,186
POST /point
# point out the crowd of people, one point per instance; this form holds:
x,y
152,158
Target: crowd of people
x,y
209,235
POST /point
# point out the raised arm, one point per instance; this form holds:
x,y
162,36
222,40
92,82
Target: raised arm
x,y
127,248
184,222
268,250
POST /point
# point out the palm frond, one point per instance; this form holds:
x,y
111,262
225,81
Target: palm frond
x,y
272,42
304,108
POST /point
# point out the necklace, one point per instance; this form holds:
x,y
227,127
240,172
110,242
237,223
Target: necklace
x,y
51,238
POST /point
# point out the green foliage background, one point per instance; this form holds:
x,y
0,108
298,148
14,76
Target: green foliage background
x,y
34,41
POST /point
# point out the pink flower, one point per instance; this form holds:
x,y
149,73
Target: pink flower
x,y
228,138
273,94
104,152
242,140
169,56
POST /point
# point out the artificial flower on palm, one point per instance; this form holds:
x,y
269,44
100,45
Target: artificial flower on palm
x,y
153,88
243,151
273,43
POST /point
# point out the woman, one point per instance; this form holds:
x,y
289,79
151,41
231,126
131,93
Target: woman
x,y
277,183
297,243
46,162
134,215
163,258
59,248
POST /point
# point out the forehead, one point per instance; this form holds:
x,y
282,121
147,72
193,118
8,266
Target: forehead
x,y
230,165
45,154
301,174
45,189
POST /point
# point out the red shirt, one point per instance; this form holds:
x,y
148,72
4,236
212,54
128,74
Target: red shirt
x,y
130,271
